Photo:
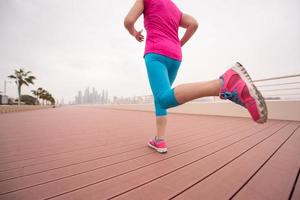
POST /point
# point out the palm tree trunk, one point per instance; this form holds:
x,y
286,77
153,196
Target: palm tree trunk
x,y
19,95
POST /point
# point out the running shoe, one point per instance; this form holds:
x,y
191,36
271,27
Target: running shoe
x,y
239,88
159,145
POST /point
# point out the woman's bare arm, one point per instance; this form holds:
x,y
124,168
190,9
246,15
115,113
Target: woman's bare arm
x,y
190,24
129,21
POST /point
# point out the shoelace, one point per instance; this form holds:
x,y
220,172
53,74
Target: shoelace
x,y
232,96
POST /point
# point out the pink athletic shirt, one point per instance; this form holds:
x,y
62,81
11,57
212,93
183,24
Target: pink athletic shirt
x,y
161,21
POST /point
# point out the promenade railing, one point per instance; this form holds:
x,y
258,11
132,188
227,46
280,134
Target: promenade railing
x,y
280,88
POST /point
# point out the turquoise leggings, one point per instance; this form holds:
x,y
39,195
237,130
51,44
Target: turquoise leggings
x,y
162,72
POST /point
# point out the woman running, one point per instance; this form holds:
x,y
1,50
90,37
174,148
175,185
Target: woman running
x,y
163,56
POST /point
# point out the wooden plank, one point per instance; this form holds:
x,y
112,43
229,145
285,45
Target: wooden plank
x,y
56,128
72,158
124,169
95,146
82,180
138,176
173,183
177,147
128,133
135,133
228,180
122,154
295,195
276,179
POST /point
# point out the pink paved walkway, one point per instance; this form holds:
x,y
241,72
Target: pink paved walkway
x,y
95,153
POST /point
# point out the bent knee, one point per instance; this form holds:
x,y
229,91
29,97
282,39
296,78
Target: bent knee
x,y
167,99
163,101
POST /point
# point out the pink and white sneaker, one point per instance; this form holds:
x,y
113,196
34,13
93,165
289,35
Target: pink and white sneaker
x,y
239,88
159,145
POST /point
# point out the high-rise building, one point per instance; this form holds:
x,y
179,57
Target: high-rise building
x,y
92,97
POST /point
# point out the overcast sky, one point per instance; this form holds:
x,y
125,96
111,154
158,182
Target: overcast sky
x,y
72,44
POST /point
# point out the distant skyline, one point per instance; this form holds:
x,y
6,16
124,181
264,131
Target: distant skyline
x,y
92,96
73,44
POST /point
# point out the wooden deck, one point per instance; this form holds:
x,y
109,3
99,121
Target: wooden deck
x,y
95,153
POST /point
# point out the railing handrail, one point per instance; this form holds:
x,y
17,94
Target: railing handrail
x,y
276,78
277,84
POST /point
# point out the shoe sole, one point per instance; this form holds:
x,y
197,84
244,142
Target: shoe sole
x,y
254,92
159,150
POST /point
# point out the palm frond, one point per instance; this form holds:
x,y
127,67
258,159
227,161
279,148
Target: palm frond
x,y
35,92
27,73
12,77
29,79
32,77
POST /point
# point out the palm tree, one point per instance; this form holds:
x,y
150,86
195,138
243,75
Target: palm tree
x,y
21,78
50,99
38,93
43,95
35,93
47,97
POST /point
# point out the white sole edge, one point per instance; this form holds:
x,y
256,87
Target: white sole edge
x,y
159,150
254,92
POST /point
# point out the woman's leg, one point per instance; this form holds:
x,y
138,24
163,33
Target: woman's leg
x,y
190,91
162,73
161,121
161,126
161,79
235,85
185,93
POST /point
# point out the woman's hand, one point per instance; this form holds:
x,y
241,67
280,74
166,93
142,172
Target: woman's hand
x,y
135,12
138,36
190,24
